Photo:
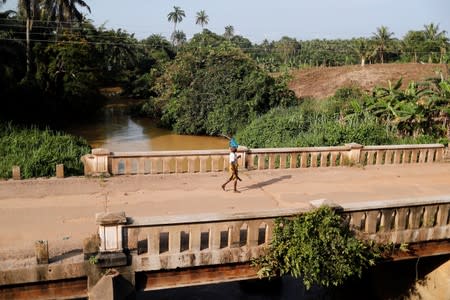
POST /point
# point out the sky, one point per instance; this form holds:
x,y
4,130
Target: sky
x,y
263,19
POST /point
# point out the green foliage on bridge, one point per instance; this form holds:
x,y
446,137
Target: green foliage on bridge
x,y
317,247
37,152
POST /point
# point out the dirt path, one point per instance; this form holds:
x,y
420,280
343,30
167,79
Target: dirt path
x,y
62,211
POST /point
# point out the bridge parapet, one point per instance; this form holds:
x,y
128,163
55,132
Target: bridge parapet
x,y
199,240
159,243
400,221
104,162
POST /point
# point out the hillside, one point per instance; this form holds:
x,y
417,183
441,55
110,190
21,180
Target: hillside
x,y
323,82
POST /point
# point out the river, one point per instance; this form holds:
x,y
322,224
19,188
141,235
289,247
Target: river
x,y
115,130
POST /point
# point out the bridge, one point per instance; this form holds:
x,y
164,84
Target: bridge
x,y
173,229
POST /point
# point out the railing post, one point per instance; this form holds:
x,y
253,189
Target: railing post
x,y
59,171
110,232
96,164
16,173
41,251
354,153
242,150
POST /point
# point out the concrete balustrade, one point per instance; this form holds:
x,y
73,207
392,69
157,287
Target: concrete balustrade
x,y
102,162
401,221
201,240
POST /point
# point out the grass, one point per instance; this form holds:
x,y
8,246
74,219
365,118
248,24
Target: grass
x,y
38,151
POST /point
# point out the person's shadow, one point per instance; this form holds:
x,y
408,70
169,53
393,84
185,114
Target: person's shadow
x,y
265,183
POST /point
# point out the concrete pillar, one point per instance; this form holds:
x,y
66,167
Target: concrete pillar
x,y
16,172
59,171
96,163
112,286
242,151
110,232
354,154
41,252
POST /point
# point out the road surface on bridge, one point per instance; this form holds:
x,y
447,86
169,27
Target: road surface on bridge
x,y
62,211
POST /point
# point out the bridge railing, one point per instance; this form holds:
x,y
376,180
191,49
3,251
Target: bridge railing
x,y
199,240
104,162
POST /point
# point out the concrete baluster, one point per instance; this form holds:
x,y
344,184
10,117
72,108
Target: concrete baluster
x,y
261,161
175,239
304,160
314,156
283,160
324,159
194,238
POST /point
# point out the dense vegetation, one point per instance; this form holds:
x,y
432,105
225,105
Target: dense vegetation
x,y
38,151
54,64
418,114
212,87
317,247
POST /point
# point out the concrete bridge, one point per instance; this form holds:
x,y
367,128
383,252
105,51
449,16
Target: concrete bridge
x,y
182,230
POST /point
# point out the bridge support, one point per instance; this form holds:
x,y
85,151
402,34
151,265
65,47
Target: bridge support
x,y
157,280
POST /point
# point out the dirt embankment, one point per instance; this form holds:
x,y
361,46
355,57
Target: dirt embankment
x,y
324,81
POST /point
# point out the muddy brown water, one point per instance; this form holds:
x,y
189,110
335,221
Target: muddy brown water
x,y
117,131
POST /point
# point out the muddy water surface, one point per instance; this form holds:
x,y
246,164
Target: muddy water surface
x,y
115,130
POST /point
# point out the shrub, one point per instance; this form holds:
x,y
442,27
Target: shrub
x,y
318,247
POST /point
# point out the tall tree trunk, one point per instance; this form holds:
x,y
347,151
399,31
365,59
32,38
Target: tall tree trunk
x,y
28,24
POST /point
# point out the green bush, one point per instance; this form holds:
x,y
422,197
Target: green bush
x,y
37,152
312,126
215,89
317,247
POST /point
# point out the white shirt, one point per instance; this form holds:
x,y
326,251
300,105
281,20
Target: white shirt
x,y
233,157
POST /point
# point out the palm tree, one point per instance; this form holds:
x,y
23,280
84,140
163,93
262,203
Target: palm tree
x,y
64,10
229,32
436,39
178,38
202,18
382,38
413,43
363,48
30,10
176,16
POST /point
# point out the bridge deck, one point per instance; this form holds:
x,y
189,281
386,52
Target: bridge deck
x,y
62,211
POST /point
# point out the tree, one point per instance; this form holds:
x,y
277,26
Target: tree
x,y
363,48
287,48
64,11
229,32
413,44
435,40
30,10
215,89
178,38
202,18
382,38
176,16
